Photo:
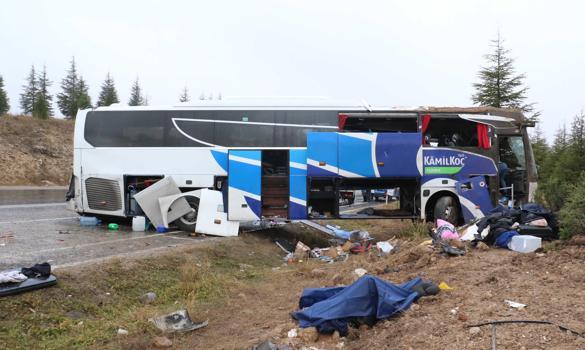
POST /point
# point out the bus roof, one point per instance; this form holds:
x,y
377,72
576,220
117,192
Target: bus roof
x,y
318,103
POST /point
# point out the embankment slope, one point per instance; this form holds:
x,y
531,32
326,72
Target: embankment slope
x,y
35,152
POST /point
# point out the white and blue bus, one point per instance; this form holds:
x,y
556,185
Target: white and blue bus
x,y
290,159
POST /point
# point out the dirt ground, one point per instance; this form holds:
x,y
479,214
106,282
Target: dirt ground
x,y
550,284
247,295
35,152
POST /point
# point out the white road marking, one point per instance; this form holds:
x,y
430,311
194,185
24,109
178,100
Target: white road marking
x,y
37,220
17,206
166,235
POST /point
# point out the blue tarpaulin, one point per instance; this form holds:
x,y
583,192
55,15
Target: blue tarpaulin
x,y
368,299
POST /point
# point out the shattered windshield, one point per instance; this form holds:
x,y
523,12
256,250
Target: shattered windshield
x,y
512,152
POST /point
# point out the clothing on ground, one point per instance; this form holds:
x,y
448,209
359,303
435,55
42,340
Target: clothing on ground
x,y
11,276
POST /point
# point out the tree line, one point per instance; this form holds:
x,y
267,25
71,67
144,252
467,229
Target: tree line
x,y
36,100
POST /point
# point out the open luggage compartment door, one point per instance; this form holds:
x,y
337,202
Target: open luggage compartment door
x,y
474,197
297,208
211,219
244,185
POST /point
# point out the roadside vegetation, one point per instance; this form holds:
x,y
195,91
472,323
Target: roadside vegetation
x,y
561,172
90,304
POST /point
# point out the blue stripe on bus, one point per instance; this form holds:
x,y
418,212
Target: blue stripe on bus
x,y
298,172
298,187
247,179
355,156
317,171
298,156
254,205
296,211
221,158
254,155
322,147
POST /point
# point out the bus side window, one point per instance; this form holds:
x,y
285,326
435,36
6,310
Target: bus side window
x,y
456,132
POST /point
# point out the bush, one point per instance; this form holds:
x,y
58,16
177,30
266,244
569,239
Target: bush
x,y
572,214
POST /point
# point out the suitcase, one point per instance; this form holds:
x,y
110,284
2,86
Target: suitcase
x,y
545,233
26,285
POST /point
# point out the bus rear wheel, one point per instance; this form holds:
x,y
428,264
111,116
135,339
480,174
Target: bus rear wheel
x,y
447,208
188,221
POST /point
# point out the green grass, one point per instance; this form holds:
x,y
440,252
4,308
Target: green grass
x,y
108,297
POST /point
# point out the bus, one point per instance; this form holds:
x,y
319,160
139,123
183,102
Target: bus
x,y
291,158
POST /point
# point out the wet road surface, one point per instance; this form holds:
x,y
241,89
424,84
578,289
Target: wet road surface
x,y
34,233
31,195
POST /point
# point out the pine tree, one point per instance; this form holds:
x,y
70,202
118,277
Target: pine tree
x,y
29,96
540,148
67,99
499,84
577,139
42,107
75,94
83,99
184,97
4,101
136,97
108,95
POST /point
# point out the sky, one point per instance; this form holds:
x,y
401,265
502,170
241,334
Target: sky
x,y
392,53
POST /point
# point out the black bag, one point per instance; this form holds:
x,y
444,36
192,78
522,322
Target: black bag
x,y
545,233
538,210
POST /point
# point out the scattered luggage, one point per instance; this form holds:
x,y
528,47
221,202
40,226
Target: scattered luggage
x,y
36,277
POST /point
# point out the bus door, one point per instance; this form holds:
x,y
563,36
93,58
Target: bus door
x,y
474,197
244,185
512,164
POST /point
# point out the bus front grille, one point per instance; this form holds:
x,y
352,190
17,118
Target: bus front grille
x,y
103,194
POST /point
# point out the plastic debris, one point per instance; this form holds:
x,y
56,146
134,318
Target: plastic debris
x,y
113,226
292,333
360,272
444,286
384,247
122,331
178,321
338,232
515,305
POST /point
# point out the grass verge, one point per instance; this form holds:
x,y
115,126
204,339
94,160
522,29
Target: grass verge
x,y
89,304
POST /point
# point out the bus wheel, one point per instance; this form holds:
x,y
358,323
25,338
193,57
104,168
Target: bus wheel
x,y
446,208
187,222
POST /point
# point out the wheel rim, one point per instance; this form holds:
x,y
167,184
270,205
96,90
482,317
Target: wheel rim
x,y
191,217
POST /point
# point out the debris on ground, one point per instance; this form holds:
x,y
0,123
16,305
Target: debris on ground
x,y
268,345
122,331
503,224
384,247
148,298
444,286
372,299
360,272
292,333
515,304
178,321
25,279
162,342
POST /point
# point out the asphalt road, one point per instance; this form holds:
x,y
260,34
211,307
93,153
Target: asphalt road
x,y
34,233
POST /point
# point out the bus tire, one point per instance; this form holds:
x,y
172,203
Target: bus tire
x,y
447,208
188,221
